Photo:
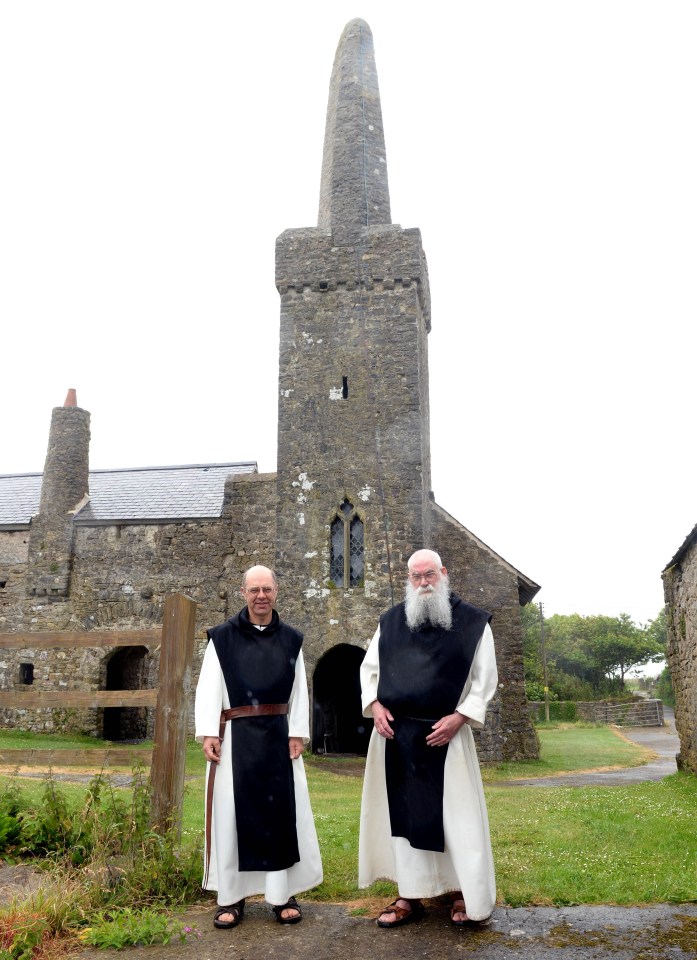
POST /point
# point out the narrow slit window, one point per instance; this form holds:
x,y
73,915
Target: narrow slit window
x,y
344,387
26,674
347,560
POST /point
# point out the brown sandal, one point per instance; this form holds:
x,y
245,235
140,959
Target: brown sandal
x,y
401,914
236,911
458,906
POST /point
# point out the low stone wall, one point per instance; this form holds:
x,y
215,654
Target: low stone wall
x,y
626,713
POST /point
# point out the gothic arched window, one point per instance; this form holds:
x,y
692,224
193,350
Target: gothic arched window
x,y
347,562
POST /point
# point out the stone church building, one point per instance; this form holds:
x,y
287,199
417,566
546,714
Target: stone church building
x,y
680,589
85,549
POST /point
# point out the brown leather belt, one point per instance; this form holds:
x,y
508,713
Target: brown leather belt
x,y
233,713
253,710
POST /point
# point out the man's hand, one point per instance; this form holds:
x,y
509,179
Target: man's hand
x,y
382,718
445,729
211,749
296,747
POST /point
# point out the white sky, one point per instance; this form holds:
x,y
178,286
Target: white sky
x,y
153,150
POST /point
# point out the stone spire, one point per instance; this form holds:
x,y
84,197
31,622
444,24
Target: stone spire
x,y
354,192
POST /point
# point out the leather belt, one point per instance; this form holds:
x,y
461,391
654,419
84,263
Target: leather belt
x,y
253,710
233,713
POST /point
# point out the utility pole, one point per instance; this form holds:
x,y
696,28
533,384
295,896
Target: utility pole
x,y
544,659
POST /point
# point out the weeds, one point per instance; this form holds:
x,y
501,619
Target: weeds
x,y
113,873
125,928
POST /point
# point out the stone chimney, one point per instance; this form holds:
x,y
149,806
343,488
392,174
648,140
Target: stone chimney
x,y
64,490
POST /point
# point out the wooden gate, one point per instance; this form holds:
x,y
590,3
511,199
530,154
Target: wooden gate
x,y
170,699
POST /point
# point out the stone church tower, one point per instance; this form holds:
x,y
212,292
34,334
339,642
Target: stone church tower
x,y
354,473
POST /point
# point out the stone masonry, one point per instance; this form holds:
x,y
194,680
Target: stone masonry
x,y
680,588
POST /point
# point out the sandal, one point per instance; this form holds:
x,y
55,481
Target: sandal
x,y
291,905
458,906
401,914
236,911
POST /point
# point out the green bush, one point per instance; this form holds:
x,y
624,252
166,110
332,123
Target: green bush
x,y
664,687
560,711
535,690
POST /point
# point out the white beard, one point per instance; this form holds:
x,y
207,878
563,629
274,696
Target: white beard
x,y
429,604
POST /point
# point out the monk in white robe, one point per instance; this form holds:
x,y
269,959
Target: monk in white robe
x,y
251,849
429,846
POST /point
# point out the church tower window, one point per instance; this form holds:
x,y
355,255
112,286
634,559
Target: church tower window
x,y
347,562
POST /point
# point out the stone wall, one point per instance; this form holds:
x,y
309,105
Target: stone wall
x,y
120,578
680,586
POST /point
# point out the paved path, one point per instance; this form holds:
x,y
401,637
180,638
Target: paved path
x,y
328,932
663,741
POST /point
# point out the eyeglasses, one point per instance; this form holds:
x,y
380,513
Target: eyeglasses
x,y
430,576
255,590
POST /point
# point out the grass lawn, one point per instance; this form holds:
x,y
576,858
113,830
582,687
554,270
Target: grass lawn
x,y
572,748
560,845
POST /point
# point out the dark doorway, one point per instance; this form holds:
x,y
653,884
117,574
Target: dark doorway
x,y
338,724
126,670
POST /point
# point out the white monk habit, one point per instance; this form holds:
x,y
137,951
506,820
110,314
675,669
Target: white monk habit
x,y
223,875
467,863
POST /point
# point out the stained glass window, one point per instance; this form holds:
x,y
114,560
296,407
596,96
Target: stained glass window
x,y
356,551
336,571
347,560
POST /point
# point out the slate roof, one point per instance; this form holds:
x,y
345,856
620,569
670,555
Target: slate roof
x,y
19,499
191,492
689,541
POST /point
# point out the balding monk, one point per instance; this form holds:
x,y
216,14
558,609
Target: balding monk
x,y
252,715
426,680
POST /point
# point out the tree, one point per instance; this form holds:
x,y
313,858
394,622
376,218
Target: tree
x,y
657,629
588,656
617,645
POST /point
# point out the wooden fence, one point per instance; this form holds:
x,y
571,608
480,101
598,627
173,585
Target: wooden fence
x,y
170,700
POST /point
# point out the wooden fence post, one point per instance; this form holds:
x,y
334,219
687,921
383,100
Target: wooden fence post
x,y
172,712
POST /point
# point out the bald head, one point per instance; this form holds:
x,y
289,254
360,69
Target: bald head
x,y
258,569
425,556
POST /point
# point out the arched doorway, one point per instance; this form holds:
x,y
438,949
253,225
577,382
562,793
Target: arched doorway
x,y
126,669
338,724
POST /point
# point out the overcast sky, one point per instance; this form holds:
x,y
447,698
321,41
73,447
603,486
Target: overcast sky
x,y
153,150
